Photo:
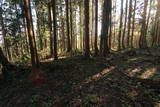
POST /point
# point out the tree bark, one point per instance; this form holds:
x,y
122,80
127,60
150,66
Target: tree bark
x,y
120,27
148,18
115,11
32,42
86,22
4,61
96,28
20,33
125,24
142,40
71,25
156,25
133,23
40,35
54,28
6,65
7,50
62,29
68,31
104,48
51,28
129,23
81,25
91,24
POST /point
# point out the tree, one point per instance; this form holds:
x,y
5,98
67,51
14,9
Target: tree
x,y
142,40
96,28
133,22
129,23
32,42
51,27
125,24
54,28
110,30
39,23
4,33
43,27
25,29
71,24
120,27
19,29
86,27
6,65
156,25
104,48
81,24
69,48
114,24
92,24
3,60
149,14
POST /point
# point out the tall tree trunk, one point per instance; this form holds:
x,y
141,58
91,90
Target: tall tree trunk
x,y
69,48
129,23
155,26
39,31
51,28
148,18
96,28
120,27
7,50
5,64
26,35
81,25
110,30
71,24
19,31
91,24
86,23
62,28
115,11
142,41
104,49
32,42
75,29
25,29
125,24
54,28
133,23
4,61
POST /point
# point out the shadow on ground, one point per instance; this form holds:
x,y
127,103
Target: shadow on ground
x,y
98,82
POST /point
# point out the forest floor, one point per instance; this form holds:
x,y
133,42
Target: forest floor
x,y
115,81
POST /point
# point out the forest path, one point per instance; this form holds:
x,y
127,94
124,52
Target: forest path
x,y
74,82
